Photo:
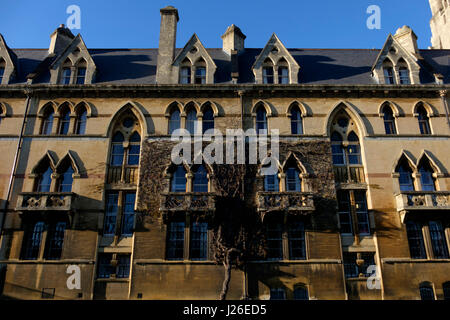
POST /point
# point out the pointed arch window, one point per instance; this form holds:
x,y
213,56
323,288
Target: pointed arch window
x,y
118,151
283,71
293,181
64,121
174,120
261,120
267,71
81,72
405,176
424,120
427,180
191,121
208,119
65,180
389,120
185,72
337,149
47,121
296,120
200,180
388,70
200,71
44,179
353,149
403,72
178,182
415,240
81,120
66,72
134,149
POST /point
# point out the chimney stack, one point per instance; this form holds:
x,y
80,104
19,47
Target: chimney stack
x,y
167,41
233,39
408,39
60,39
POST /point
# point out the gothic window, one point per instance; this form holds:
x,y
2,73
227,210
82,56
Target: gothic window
x,y
405,176
200,180
272,183
118,151
261,120
296,236
175,240
81,120
293,181
81,72
438,240
44,178
119,209
267,70
388,70
64,183
426,176
353,212
32,240
200,71
337,149
134,149
283,71
191,120
64,121
174,120
185,72
403,72
389,120
424,120
415,240
296,120
178,182
208,119
199,241
47,121
66,72
55,240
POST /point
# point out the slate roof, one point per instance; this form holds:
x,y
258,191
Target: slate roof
x,y
317,66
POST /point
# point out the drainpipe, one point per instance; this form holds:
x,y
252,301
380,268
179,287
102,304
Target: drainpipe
x,y
16,157
443,94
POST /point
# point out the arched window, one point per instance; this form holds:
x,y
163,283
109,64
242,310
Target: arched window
x,y
301,292
403,72
415,240
66,72
44,179
296,120
271,183
81,72
426,176
185,72
405,176
200,71
353,149
424,121
208,119
64,121
427,291
337,149
200,180
293,181
47,121
178,182
134,149
389,120
191,121
2,69
388,71
174,120
261,120
66,179
267,71
283,71
117,150
80,122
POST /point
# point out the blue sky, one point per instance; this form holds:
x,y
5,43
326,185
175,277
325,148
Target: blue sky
x,y
135,23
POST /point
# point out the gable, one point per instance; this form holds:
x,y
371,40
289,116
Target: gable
x,y
9,59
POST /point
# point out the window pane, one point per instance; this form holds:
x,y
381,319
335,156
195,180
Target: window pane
x,y
415,240
438,241
112,207
389,75
178,183
354,156
185,77
174,122
200,75
80,127
296,234
200,181
199,241
350,266
267,75
191,122
65,76
208,120
338,154
45,180
404,76
271,183
123,266
277,294
362,212
55,241
283,75
117,154
133,154
47,125
301,293
66,180
32,241
293,182
104,265
128,214
81,75
274,241
345,218
175,241
261,121
427,293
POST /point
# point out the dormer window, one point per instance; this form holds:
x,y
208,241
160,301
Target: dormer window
x,y
388,70
2,69
268,72
81,72
185,72
65,79
200,71
283,72
403,72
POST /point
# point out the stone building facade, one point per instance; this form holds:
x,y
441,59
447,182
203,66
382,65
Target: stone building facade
x,y
358,207
440,24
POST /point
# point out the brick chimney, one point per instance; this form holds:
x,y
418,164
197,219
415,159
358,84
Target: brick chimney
x,y
167,40
408,39
60,39
233,39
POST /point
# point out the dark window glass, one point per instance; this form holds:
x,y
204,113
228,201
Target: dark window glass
x,y
350,266
112,208
128,214
293,182
64,122
389,75
175,241
301,293
55,241
405,178
200,75
32,241
199,241
369,260
268,75
337,149
389,121
185,75
271,183
426,177
81,75
191,121
427,292
283,75
424,121
123,266
261,121
65,79
47,123
446,287
66,180
117,151
438,241
345,218
277,294
362,212
178,183
134,149
2,72
80,125
296,121
404,75
208,120
353,149
296,234
174,121
415,240
45,180
274,241
200,180
105,268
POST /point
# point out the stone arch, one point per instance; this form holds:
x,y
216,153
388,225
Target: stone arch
x,y
428,108
265,105
189,105
46,106
68,104
171,106
134,109
293,157
69,157
352,113
85,104
213,105
427,156
409,159
392,105
301,106
48,156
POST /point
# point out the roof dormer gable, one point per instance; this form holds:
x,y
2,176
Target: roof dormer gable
x,y
275,64
7,62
